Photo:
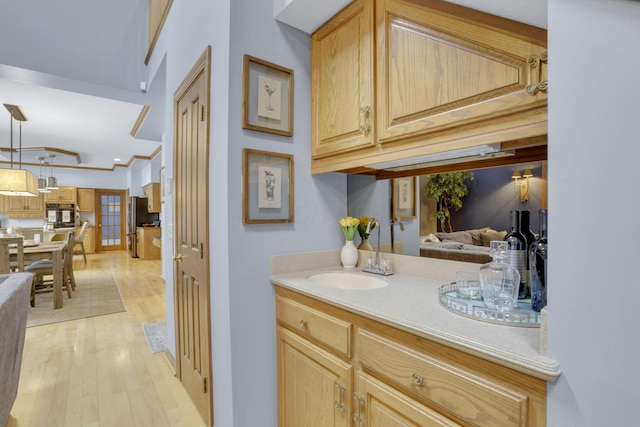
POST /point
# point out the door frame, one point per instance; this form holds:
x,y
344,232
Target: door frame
x,y
201,67
98,220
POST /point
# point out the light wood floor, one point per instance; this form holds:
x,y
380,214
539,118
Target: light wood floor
x,y
99,371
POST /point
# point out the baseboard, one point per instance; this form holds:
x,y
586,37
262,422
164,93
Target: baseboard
x,y
170,360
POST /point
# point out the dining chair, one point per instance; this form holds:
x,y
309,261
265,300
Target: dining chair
x,y
6,266
79,240
43,268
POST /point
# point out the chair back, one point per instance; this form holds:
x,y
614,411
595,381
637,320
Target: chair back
x,y
5,255
80,236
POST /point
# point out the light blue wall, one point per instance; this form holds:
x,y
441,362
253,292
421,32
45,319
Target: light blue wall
x,y
593,155
242,298
368,197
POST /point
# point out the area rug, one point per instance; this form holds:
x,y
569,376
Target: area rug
x,y
156,334
96,294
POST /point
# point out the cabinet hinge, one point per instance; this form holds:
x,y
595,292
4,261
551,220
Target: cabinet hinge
x,y
201,250
204,382
202,113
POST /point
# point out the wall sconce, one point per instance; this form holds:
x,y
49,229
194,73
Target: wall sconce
x,y
521,184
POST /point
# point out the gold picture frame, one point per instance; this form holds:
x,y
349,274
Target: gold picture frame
x,y
403,197
267,97
267,187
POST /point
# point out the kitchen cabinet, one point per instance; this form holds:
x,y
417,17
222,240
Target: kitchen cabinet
x,y
25,206
152,193
89,239
446,78
86,199
67,195
390,376
342,82
145,246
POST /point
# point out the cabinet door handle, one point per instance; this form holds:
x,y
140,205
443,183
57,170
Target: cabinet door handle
x,y
365,127
340,404
535,64
417,379
303,324
358,417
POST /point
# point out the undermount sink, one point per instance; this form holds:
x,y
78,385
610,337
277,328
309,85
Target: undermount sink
x,y
343,280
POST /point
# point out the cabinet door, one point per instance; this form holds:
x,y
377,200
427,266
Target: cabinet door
x,y
140,242
314,386
86,199
437,71
342,101
379,405
67,195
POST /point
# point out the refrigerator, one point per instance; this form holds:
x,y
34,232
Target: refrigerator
x,y
137,215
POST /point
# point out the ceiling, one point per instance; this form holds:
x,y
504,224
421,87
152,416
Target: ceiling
x,y
74,68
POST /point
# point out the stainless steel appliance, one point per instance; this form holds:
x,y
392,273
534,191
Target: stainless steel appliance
x,y
62,215
137,216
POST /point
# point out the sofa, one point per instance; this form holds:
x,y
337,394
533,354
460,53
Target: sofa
x,y
15,290
466,245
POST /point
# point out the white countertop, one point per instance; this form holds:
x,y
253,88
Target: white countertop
x,y
410,302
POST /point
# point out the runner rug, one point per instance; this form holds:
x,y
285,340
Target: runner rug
x,y
96,294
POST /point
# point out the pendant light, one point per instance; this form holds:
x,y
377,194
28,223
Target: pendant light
x,y
52,182
42,181
17,182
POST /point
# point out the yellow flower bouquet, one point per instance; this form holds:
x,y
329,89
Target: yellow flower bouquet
x,y
362,227
349,225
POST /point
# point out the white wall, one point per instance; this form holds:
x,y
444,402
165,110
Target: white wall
x,y
593,208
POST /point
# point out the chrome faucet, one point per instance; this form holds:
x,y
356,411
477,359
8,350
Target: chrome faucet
x,y
392,222
377,267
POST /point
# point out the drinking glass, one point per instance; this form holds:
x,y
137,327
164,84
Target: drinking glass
x,y
467,285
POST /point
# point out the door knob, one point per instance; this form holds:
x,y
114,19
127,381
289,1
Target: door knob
x,y
178,258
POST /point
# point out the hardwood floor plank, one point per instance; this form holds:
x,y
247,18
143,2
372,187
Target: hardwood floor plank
x,y
99,371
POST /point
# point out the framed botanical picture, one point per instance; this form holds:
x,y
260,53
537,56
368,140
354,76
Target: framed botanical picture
x,y
267,97
267,187
403,197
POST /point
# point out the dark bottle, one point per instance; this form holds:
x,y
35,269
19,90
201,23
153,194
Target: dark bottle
x,y
525,227
538,266
517,253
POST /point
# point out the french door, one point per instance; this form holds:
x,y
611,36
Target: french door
x,y
110,220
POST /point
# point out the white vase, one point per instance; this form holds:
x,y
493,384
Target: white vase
x,y
349,255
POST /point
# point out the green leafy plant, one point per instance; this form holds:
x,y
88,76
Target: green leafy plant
x,y
448,189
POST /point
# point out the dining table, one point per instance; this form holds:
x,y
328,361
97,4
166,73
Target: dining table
x,y
48,250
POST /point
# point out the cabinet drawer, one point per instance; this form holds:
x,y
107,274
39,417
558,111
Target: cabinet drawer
x,y
464,394
322,327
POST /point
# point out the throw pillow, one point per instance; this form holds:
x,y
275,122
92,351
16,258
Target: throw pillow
x,y
456,236
476,235
490,235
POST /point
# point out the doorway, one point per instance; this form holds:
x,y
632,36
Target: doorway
x,y
110,220
191,235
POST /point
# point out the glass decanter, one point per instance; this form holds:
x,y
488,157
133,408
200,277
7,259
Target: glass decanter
x,y
499,281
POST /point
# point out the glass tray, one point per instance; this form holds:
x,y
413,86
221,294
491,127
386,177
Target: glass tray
x,y
522,316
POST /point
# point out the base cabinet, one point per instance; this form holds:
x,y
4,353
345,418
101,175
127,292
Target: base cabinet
x,y
146,248
387,377
305,368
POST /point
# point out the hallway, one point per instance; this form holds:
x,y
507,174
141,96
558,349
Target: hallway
x,y
99,371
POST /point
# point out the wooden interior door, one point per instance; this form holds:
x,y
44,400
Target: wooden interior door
x,y
191,236
110,220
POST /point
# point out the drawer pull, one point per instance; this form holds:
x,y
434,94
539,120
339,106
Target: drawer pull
x,y
417,379
365,127
303,324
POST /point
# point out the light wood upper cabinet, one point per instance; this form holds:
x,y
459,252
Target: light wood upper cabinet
x,y
342,106
86,199
25,206
62,195
152,193
437,71
446,78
